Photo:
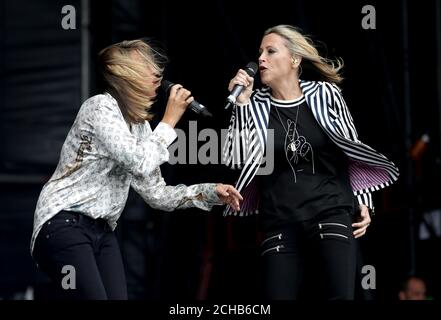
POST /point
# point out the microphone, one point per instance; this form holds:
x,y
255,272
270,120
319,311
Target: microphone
x,y
250,69
194,105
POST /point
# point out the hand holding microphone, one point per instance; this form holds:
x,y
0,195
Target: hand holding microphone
x,y
241,85
179,99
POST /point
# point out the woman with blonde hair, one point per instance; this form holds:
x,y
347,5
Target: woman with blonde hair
x,y
110,148
317,199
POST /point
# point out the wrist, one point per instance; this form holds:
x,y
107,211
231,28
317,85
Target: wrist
x,y
243,101
170,121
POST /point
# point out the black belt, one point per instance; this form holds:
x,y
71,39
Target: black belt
x,y
80,217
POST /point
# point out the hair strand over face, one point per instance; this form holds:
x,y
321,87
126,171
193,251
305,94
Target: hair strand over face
x,y
125,76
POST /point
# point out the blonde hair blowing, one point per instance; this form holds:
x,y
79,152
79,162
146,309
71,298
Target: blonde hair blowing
x,y
126,76
298,44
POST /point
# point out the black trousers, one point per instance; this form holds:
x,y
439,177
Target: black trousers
x,y
82,257
311,259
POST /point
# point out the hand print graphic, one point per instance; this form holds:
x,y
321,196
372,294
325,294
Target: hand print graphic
x,y
297,148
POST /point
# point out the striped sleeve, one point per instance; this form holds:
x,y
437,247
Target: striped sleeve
x,y
344,122
366,199
345,125
236,144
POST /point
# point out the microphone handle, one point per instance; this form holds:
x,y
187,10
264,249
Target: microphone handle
x,y
200,109
231,100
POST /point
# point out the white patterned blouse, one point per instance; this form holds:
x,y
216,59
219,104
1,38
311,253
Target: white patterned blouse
x,y
103,157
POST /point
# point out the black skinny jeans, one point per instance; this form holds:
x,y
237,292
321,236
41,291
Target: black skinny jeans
x,y
91,248
322,250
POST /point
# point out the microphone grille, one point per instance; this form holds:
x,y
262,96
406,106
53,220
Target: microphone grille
x,y
251,68
166,85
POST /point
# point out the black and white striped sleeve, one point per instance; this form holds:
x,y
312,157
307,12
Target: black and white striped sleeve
x,y
236,143
366,199
344,122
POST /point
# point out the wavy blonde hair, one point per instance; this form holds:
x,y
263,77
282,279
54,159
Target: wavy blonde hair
x,y
125,77
323,69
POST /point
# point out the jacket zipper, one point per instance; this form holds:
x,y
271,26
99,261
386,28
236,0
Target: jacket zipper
x,y
333,234
321,225
272,237
277,248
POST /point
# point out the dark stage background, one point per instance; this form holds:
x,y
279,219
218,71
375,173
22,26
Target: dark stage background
x,y
393,76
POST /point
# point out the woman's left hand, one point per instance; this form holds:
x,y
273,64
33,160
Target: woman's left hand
x,y
229,195
363,222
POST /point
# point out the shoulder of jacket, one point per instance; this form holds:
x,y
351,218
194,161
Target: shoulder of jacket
x,y
100,106
261,93
333,87
103,102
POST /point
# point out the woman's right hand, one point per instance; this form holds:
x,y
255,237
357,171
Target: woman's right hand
x,y
178,101
243,79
